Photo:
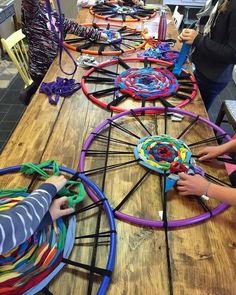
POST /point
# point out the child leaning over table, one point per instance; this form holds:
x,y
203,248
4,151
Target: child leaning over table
x,y
198,185
34,212
43,42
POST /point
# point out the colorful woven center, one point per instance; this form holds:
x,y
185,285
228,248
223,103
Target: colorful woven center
x,y
147,83
171,55
124,9
27,265
163,153
113,37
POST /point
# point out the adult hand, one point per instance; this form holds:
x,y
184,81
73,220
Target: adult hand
x,y
59,208
58,181
188,36
191,185
210,152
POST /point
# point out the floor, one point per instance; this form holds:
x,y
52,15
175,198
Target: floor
x,y
229,93
11,109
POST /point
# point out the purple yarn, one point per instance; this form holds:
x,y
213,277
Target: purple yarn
x,y
60,87
60,36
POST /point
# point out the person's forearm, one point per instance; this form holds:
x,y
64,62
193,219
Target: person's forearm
x,y
30,7
71,27
222,193
228,147
20,222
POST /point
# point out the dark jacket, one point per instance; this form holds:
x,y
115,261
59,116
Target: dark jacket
x,y
215,57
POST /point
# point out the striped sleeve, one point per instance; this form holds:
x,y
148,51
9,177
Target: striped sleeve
x,y
30,8
20,222
71,27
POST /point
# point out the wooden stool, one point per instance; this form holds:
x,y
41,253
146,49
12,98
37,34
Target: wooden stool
x,y
228,109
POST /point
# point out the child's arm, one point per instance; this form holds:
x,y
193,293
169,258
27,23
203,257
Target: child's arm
x,y
30,8
212,152
71,27
197,185
20,222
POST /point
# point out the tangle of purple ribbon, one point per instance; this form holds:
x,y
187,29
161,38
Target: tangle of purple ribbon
x,y
60,87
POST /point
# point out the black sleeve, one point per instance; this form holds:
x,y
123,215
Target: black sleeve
x,y
213,50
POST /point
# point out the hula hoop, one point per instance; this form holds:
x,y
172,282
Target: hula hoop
x,y
135,14
138,220
184,94
132,46
68,246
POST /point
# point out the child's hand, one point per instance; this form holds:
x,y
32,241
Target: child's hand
x,y
188,36
59,208
210,152
104,36
58,181
191,185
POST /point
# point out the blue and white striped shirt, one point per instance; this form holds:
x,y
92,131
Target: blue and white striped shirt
x,y
21,221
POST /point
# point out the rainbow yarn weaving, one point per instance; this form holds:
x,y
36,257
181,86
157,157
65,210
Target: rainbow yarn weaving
x,y
148,83
160,50
163,154
28,268
170,55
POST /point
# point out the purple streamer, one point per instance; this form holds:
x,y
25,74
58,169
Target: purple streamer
x,y
60,87
60,36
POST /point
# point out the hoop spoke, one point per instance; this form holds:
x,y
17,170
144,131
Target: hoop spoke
x,y
130,193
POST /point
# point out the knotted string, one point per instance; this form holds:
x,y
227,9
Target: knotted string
x,y
60,87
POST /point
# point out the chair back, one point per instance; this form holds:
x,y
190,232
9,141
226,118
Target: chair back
x,y
177,17
53,4
16,50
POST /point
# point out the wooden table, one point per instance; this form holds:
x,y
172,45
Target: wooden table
x,y
202,256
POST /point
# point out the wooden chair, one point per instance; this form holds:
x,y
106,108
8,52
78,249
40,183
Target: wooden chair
x,y
53,4
177,17
16,50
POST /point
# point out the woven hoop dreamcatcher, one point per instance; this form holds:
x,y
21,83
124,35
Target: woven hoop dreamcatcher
x,y
30,267
146,153
121,39
116,12
141,81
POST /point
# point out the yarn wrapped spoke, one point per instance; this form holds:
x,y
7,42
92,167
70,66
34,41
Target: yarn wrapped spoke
x,y
135,82
143,151
117,12
120,39
29,268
